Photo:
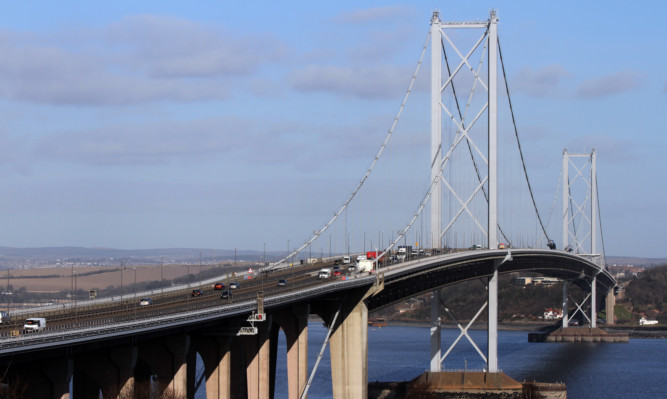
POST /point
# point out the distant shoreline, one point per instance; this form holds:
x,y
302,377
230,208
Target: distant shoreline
x,y
659,332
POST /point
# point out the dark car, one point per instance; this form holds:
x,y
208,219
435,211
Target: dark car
x,y
226,294
282,282
218,286
233,286
196,293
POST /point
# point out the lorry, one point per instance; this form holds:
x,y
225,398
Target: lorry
x,y
365,265
324,273
404,252
371,255
34,324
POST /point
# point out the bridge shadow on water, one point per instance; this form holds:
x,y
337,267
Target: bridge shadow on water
x,y
590,370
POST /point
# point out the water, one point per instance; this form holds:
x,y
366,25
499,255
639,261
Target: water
x,y
634,370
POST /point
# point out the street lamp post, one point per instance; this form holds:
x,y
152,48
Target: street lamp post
x,y
135,293
7,290
75,305
121,281
162,274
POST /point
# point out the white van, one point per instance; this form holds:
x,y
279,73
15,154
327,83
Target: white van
x,y
34,324
346,260
324,273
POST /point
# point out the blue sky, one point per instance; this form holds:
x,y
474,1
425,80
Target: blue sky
x,y
224,125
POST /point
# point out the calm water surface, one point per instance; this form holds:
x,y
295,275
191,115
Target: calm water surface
x,y
634,370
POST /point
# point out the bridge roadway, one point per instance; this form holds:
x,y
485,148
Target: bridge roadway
x,y
399,281
113,347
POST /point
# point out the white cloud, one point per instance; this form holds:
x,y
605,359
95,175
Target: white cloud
x,y
373,14
370,82
139,59
161,143
609,149
544,82
608,85
173,47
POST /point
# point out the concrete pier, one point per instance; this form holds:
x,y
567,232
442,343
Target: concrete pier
x,y
465,385
577,334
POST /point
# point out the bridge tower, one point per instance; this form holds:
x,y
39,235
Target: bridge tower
x,y
580,217
580,213
463,122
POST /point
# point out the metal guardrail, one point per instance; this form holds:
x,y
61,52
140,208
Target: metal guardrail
x,y
97,329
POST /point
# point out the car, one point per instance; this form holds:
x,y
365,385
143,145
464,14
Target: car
x,y
475,246
233,286
282,282
196,293
145,302
218,286
226,294
502,246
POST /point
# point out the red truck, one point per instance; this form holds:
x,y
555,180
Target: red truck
x,y
371,255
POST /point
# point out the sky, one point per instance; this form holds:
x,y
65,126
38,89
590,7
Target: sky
x,y
159,124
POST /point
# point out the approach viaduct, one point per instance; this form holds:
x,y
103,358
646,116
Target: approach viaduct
x,y
117,358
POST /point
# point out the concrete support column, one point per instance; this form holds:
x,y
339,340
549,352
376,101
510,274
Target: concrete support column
x,y
565,304
349,355
610,306
594,302
436,331
492,338
294,323
191,373
95,372
46,379
125,360
238,384
167,358
216,356
257,351
179,346
273,358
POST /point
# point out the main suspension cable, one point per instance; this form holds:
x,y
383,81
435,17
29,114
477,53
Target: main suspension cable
x,y
474,161
516,133
370,168
553,202
597,195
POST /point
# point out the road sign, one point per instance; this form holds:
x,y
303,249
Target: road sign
x,y
247,331
257,317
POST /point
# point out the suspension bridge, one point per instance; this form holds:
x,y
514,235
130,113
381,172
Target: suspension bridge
x,y
448,183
